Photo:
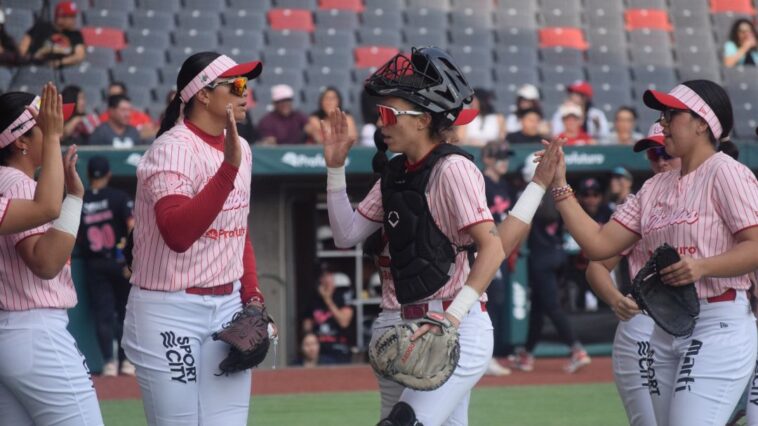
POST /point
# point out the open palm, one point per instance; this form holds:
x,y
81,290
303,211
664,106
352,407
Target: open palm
x,y
336,140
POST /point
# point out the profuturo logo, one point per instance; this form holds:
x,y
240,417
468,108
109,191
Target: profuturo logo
x,y
216,234
297,160
584,159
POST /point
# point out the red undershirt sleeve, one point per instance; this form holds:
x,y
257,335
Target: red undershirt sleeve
x,y
183,220
250,289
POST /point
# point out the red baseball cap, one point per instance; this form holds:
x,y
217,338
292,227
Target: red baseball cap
x,y
465,116
654,138
581,87
66,8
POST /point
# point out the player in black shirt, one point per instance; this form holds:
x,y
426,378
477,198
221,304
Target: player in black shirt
x,y
106,220
330,317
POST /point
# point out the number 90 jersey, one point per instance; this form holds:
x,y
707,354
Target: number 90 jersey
x,y
105,213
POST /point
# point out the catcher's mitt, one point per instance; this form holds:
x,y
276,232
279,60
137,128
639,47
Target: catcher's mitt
x,y
673,308
248,335
424,364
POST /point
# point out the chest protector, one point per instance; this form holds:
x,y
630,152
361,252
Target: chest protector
x,y
422,258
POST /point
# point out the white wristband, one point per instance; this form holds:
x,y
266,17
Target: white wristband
x,y
528,203
71,212
463,302
335,178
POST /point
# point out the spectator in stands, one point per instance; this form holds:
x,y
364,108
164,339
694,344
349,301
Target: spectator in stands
x,y
106,221
116,132
309,351
329,100
57,44
624,128
137,118
527,97
500,198
742,47
489,125
620,187
529,124
284,125
8,49
593,122
571,122
81,125
331,316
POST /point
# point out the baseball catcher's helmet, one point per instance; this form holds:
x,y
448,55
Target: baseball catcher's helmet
x,y
428,78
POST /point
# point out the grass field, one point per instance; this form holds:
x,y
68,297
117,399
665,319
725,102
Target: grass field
x,y
555,405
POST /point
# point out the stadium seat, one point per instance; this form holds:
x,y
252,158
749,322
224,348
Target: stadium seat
x,y
387,5
560,4
195,41
18,22
609,97
647,4
521,37
106,18
287,58
101,57
607,74
602,18
373,56
561,17
647,18
85,75
387,19
200,20
741,75
690,17
516,55
424,37
242,40
33,5
662,78
477,57
515,18
429,4
296,4
354,5
566,57
603,55
215,6
291,19
602,36
470,18
250,5
153,20
169,73
479,77
143,56
651,55
334,38
167,6
244,19
283,75
514,77
104,37
472,37
114,5
147,38
564,37
327,76
337,19
332,58
31,78
652,38
607,7
379,37
134,76
734,6
5,79
426,18
288,39
560,77
141,96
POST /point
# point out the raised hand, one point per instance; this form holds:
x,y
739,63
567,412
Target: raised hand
x,y
49,118
336,141
549,160
232,149
73,182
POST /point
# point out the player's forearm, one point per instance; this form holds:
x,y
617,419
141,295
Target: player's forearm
x,y
512,232
49,192
596,241
50,253
348,226
249,281
489,257
599,277
740,260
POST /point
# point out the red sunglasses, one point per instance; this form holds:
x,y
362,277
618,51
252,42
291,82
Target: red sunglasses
x,y
389,115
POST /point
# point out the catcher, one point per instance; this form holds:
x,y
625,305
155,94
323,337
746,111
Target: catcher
x,y
433,339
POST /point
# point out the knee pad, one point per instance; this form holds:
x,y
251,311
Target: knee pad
x,y
402,414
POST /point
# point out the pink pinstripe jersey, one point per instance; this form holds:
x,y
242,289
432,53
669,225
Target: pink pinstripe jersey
x,y
455,194
20,289
3,208
698,214
180,163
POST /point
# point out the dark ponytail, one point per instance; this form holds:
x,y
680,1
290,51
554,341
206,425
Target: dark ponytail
x,y
729,148
12,105
191,67
380,160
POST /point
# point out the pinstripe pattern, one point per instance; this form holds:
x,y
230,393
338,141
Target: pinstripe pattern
x,y
4,202
20,289
180,163
699,214
456,200
207,75
699,107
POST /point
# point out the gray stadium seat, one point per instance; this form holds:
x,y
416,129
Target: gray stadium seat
x,y
603,36
384,4
516,55
195,41
278,57
153,20
288,39
296,4
250,5
522,37
651,55
386,19
560,77
650,38
134,76
33,5
515,77
741,75
433,4
334,38
472,56
485,6
168,74
609,7
337,19
84,75
470,18
18,22
282,75
244,41
106,18
141,96
606,74
160,93
562,17
113,5
5,79
332,58
691,18
147,38
245,20
167,6
327,76
472,37
361,74
689,36
603,55
659,77
424,37
379,37
143,56
560,4
515,18
696,71
479,77
101,57
647,4
31,78
216,6
426,18
602,19
552,98
609,97
198,20
564,56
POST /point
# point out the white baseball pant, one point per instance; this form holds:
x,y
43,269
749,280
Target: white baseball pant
x,y
698,379
751,406
44,379
630,354
167,336
448,404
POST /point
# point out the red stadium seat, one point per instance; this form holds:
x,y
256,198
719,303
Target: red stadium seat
x,y
654,19
373,56
291,19
734,6
112,38
563,37
354,5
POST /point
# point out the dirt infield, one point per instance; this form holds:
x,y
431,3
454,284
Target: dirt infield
x,y
361,378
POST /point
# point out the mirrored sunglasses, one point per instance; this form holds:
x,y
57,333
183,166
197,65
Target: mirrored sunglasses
x,y
389,115
237,85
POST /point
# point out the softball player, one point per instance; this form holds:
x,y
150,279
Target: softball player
x,y
43,376
708,210
632,341
194,265
421,98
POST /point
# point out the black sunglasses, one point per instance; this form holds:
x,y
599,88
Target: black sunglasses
x,y
668,114
659,152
